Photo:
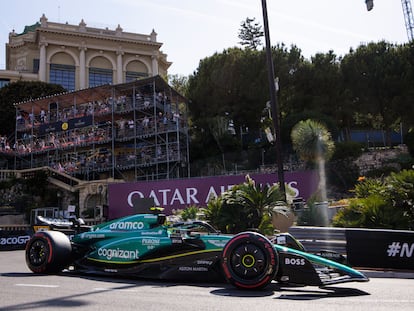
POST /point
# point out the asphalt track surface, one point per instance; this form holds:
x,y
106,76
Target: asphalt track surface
x,y
22,290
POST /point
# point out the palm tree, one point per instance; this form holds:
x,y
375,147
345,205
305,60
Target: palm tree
x,y
313,143
246,206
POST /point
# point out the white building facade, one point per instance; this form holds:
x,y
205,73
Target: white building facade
x,y
78,56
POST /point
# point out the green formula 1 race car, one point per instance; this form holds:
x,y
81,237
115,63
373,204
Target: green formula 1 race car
x,y
143,246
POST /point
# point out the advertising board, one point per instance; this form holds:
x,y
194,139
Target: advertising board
x,y
181,193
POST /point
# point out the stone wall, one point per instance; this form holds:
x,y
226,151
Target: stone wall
x,y
377,158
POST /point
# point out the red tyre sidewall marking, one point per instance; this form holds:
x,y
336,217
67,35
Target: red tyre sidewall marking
x,y
225,255
42,235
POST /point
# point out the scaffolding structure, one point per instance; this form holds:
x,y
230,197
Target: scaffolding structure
x,y
132,131
408,17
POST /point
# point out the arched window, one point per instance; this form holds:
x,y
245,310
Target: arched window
x,y
62,71
100,72
135,71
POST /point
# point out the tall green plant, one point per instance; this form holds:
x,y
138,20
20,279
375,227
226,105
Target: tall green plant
x,y
246,206
373,211
312,141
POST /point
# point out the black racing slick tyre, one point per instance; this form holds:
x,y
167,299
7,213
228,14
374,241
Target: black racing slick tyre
x,y
249,261
48,252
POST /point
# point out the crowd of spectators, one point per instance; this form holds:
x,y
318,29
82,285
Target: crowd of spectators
x,y
101,160
4,144
11,194
155,116
124,129
121,104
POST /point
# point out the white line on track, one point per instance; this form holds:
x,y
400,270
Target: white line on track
x,y
37,285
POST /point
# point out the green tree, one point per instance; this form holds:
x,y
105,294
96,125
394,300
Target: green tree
x,y
18,92
370,87
228,85
250,33
179,83
317,84
234,84
373,74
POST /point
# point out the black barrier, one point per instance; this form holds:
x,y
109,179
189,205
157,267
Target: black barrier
x,y
388,249
14,239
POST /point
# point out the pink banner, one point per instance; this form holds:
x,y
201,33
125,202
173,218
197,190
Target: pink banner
x,y
181,193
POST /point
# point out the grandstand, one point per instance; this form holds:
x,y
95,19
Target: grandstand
x,y
131,131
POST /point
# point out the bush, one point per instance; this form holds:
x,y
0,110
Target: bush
x,y
368,186
373,211
381,203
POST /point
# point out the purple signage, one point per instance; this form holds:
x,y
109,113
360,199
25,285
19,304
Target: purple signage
x,y
181,193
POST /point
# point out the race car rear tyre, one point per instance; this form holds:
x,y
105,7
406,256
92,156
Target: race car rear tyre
x,y
48,252
249,261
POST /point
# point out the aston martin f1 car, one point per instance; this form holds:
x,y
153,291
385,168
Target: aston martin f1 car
x,y
145,246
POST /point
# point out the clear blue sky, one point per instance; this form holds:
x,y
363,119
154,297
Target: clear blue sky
x,y
191,30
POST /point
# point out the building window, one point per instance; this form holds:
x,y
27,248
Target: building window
x,y
63,75
35,65
4,82
99,76
132,76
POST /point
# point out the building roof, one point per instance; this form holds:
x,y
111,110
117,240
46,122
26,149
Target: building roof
x,y
67,99
29,28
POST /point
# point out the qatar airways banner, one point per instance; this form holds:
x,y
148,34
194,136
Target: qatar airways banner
x,y
125,198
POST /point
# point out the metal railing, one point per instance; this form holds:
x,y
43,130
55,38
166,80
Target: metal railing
x,y
315,239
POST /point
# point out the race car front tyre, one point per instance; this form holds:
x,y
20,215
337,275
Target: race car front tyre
x,y
48,252
249,261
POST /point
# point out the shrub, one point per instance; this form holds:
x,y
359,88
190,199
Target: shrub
x,y
373,211
381,203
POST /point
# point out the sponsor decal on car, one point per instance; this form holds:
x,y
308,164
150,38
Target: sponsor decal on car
x,y
158,232
295,261
87,235
118,253
176,240
204,262
150,241
193,269
127,225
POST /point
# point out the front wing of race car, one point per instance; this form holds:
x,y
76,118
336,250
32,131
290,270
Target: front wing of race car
x,y
300,267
